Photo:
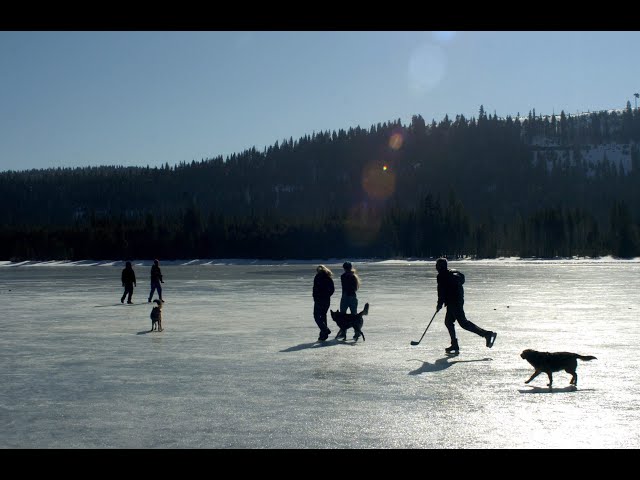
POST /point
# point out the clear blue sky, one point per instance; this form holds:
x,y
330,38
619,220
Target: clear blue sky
x,y
70,99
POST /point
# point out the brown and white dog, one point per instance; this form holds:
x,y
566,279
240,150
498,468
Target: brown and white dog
x,y
350,320
549,362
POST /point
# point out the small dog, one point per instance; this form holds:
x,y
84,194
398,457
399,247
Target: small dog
x,y
549,362
156,316
350,320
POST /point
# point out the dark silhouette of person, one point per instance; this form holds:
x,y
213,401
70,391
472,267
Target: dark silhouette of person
x,y
323,288
350,285
128,278
156,280
451,294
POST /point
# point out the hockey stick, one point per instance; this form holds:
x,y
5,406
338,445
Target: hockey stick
x,y
413,342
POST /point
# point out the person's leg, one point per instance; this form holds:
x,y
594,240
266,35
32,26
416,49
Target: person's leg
x,y
323,317
449,322
317,315
320,316
343,304
458,311
123,295
353,305
488,335
153,289
130,292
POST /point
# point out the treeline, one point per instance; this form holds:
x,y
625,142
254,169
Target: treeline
x,y
431,229
457,187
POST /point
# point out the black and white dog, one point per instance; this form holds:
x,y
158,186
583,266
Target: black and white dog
x,y
350,320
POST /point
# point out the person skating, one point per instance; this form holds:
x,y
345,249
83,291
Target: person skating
x,y
451,294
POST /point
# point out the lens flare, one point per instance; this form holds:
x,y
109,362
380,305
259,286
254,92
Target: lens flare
x,y
396,140
443,37
379,183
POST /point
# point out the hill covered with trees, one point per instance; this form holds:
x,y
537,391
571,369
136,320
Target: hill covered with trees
x,y
540,186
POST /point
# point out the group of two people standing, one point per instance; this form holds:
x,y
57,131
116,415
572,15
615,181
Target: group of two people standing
x,y
450,294
323,288
128,278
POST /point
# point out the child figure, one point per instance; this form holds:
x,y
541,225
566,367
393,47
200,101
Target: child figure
x,y
156,316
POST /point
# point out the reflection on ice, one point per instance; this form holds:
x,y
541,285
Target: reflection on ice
x,y
238,366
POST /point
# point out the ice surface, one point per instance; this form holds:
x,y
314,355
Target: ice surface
x,y
238,367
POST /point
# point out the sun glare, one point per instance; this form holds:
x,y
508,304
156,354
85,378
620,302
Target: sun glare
x,y
396,140
378,183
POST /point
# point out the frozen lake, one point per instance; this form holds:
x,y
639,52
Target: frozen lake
x,y
238,367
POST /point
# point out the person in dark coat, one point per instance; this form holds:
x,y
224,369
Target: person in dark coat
x,y
156,280
128,278
350,285
323,288
451,294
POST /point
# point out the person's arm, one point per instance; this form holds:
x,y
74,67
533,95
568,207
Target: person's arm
x,y
440,294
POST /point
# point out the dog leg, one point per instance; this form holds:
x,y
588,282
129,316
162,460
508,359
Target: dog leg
x,y
535,374
550,375
357,327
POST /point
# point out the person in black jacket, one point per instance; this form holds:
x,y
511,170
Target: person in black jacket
x,y
156,280
128,278
323,288
451,294
350,285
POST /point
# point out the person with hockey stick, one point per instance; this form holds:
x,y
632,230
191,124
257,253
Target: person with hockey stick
x,y
451,294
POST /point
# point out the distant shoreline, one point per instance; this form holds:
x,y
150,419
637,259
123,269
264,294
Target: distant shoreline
x,y
331,261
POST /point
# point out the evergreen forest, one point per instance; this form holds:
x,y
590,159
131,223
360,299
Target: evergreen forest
x,y
479,187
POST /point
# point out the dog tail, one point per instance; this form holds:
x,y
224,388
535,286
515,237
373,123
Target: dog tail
x,y
586,357
366,309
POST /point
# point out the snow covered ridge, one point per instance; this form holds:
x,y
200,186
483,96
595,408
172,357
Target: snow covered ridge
x,y
619,154
332,261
